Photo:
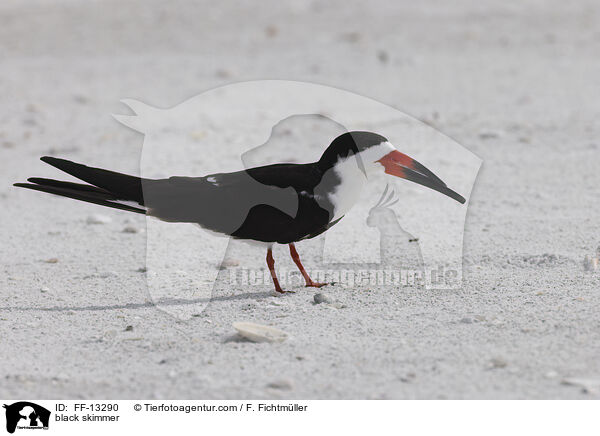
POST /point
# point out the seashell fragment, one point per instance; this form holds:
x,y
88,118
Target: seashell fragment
x,y
590,264
587,385
259,333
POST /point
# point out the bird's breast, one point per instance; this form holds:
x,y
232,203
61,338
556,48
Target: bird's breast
x,y
345,193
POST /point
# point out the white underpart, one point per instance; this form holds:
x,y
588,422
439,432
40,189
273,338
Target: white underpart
x,y
351,172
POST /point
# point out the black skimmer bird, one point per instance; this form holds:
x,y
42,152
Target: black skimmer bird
x,y
281,203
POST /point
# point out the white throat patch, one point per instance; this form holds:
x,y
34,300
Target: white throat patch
x,y
353,173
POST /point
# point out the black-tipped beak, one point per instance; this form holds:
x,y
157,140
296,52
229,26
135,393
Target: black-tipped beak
x,y
403,166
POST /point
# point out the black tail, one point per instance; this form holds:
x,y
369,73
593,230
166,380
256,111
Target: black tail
x,y
106,187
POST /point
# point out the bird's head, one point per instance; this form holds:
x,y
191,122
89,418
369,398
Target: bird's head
x,y
376,154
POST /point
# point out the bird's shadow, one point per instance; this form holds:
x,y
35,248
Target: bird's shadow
x,y
158,303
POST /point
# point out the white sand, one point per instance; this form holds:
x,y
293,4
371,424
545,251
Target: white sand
x,y
526,73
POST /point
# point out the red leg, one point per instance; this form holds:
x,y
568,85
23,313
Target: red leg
x,y
271,265
307,279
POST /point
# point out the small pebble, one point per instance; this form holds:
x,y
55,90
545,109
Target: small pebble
x,y
271,31
322,298
110,334
408,378
81,99
223,74
498,362
130,229
283,384
489,134
45,289
32,108
51,260
351,37
97,219
383,56
129,328
197,135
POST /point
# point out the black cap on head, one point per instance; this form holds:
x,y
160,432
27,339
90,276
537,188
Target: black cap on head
x,y
348,144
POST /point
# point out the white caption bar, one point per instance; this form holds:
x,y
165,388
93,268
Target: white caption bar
x,y
261,417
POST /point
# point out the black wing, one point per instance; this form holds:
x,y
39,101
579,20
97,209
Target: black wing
x,y
273,203
269,203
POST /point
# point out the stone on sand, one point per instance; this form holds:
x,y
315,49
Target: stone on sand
x,y
97,219
322,298
282,384
587,385
259,333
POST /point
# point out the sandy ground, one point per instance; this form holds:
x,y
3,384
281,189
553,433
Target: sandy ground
x,y
514,82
